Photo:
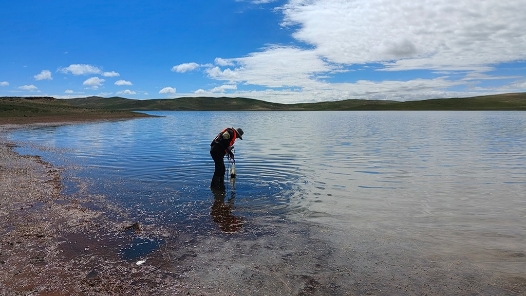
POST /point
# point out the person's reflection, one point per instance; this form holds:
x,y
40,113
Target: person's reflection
x,y
222,211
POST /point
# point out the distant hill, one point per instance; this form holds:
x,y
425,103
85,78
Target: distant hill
x,y
48,109
179,104
117,106
512,101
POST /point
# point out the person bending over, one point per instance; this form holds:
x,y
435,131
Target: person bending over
x,y
221,146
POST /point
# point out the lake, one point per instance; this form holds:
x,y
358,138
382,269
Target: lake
x,y
333,202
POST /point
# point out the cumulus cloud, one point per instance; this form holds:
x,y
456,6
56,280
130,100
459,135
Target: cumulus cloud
x,y
44,75
223,88
436,34
122,82
227,74
185,67
274,67
4,83
110,74
68,91
126,92
168,90
93,82
30,87
80,69
223,62
415,89
465,38
520,85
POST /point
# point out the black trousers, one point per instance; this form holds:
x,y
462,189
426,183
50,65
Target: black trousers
x,y
219,169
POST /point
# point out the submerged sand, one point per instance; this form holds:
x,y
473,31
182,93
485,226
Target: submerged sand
x,y
53,244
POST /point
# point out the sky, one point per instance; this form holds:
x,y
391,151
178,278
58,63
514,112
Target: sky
x,y
273,50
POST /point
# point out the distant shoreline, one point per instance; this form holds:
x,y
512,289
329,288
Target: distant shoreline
x,y
49,109
69,118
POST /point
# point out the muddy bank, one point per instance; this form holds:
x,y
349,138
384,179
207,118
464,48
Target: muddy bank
x,y
51,244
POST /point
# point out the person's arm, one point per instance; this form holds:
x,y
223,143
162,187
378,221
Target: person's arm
x,y
230,153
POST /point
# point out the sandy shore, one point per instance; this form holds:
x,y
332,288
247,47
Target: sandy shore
x,y
52,244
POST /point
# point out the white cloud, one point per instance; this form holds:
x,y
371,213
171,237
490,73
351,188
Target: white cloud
x,y
30,87
122,82
482,76
110,74
168,90
93,82
223,88
407,34
80,69
126,92
227,74
521,86
185,67
275,67
467,38
223,62
416,89
44,75
68,91
4,83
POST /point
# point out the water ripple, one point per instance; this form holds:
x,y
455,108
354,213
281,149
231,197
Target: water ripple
x,y
346,166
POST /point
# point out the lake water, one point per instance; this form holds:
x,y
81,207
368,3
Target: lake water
x,y
333,201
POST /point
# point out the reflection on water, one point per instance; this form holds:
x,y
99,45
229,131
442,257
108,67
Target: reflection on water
x,y
221,211
449,181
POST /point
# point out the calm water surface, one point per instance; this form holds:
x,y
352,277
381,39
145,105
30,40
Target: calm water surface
x,y
450,181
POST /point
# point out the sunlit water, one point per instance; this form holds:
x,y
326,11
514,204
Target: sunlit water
x,y
448,180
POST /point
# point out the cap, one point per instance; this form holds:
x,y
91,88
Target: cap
x,y
240,133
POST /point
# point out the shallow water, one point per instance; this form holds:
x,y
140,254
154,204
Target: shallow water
x,y
444,185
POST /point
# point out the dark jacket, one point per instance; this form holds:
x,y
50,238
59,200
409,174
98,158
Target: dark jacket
x,y
224,142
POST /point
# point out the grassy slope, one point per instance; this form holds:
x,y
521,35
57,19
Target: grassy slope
x,y
116,107
515,101
25,110
197,103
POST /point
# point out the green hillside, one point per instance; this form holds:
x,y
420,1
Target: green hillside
x,y
47,109
194,103
117,107
514,101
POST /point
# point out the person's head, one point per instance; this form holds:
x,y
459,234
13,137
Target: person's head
x,y
239,132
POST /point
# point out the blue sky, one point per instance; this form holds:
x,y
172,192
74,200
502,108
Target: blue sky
x,y
272,50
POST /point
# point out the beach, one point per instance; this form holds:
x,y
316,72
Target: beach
x,y
51,244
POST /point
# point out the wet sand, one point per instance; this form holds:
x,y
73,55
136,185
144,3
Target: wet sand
x,y
53,244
